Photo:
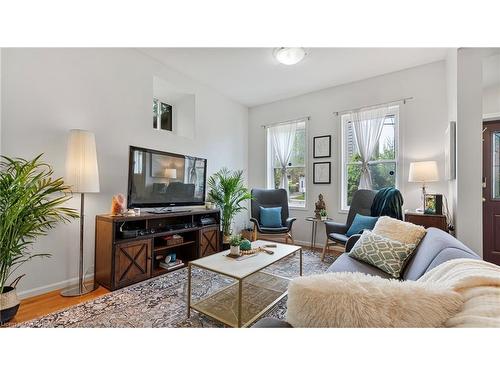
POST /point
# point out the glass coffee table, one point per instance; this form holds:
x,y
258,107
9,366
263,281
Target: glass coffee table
x,y
254,290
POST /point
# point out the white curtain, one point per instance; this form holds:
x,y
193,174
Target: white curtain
x,y
367,126
283,138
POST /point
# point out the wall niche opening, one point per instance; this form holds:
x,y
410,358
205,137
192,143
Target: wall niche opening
x,y
173,109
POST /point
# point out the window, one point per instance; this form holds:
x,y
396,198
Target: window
x,y
287,143
138,161
383,164
162,115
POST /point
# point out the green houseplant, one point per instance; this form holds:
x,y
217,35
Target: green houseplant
x,y
228,192
235,242
30,205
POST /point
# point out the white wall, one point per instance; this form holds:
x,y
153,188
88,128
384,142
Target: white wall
x,y
423,122
469,146
491,100
46,92
451,95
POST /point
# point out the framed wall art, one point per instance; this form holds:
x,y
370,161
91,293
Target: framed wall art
x,y
321,172
322,146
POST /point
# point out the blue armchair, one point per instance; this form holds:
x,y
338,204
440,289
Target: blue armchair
x,y
271,198
336,232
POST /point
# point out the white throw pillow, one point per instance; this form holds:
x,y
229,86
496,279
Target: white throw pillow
x,y
347,299
401,231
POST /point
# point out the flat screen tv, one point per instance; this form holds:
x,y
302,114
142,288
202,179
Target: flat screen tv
x,y
164,179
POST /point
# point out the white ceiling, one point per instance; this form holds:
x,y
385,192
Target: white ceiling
x,y
252,76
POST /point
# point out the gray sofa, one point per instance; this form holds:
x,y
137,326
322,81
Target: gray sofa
x,y
435,248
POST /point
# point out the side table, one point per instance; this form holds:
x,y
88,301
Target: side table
x,y
427,220
314,221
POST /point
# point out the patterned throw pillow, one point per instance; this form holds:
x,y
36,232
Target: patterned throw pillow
x,y
381,252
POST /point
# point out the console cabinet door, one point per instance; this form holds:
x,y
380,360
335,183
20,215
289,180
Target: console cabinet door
x,y
209,241
132,262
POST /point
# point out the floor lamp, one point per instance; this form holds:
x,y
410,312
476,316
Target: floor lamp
x,y
82,175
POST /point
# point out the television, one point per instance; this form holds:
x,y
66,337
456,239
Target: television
x,y
164,179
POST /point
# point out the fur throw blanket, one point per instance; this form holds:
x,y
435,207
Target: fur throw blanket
x,y
346,299
478,282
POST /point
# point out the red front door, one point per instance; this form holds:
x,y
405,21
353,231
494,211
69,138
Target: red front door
x,y
491,191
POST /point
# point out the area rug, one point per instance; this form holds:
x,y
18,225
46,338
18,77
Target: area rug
x,y
161,302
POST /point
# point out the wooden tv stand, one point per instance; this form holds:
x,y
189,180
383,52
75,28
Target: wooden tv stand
x,y
128,249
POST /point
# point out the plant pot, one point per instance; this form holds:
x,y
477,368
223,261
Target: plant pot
x,y
235,250
9,304
323,218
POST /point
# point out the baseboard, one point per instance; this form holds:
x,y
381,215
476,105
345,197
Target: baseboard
x,y
51,287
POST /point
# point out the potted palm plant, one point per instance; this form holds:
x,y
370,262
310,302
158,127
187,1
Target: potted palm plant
x,y
228,193
30,205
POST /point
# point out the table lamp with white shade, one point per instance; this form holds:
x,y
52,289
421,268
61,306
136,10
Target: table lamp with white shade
x,y
82,175
171,173
423,172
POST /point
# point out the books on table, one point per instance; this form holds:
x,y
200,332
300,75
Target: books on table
x,y
172,265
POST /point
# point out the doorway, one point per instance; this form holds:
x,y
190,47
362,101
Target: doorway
x,y
491,191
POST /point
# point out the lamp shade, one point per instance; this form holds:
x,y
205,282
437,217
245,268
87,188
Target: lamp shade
x,y
82,173
423,171
170,173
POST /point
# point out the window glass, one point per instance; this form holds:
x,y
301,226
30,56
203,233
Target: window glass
x,y
295,170
383,164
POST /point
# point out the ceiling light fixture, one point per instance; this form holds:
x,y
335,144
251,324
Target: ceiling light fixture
x,y
289,55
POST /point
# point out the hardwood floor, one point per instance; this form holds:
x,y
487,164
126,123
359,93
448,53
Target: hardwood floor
x,y
37,306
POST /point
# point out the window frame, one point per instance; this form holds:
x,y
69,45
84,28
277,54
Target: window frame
x,y
270,161
344,121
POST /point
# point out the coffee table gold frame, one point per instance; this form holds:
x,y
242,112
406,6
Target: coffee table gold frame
x,y
197,306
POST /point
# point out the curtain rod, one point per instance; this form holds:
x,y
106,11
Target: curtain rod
x,y
404,100
284,122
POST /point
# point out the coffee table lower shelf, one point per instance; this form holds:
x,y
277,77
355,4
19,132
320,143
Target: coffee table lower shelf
x,y
258,292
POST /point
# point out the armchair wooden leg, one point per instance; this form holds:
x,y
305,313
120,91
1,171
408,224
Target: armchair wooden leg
x,y
254,234
289,235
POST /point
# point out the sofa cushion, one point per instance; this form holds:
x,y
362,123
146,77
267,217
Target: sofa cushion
x,y
338,237
345,263
356,300
361,222
388,255
270,217
435,248
397,230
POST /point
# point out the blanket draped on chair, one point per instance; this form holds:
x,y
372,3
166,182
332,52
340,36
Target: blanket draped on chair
x,y
388,202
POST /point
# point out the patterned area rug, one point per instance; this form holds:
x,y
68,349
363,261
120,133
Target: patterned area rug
x,y
161,302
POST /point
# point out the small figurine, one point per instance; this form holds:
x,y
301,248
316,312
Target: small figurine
x,y
320,205
118,204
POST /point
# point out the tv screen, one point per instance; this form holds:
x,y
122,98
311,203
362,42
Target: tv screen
x,y
163,179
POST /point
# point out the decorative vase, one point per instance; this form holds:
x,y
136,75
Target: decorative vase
x,y
9,302
234,250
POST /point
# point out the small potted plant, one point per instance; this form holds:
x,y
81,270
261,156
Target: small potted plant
x,y
323,214
235,242
209,204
